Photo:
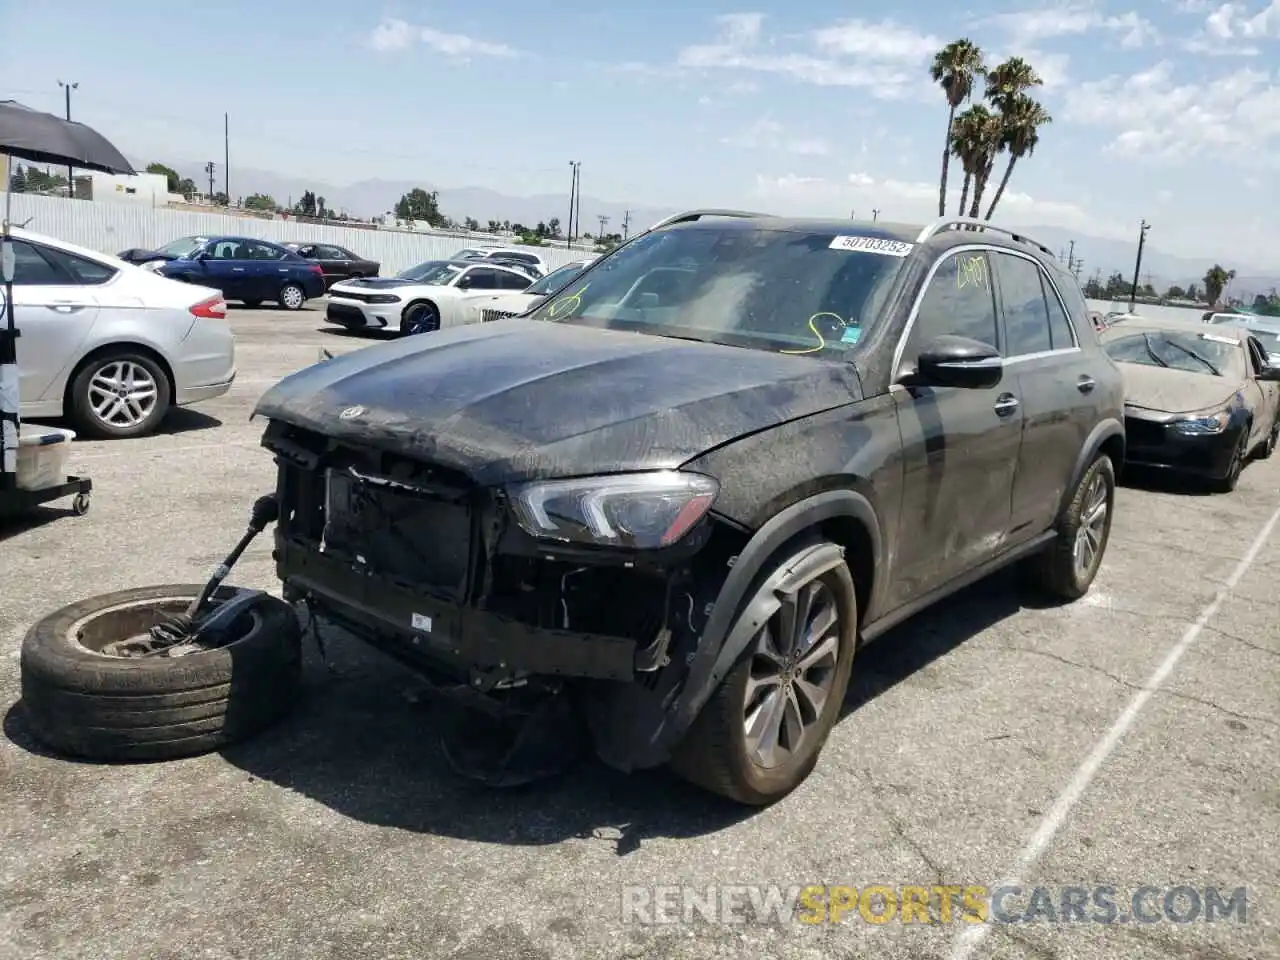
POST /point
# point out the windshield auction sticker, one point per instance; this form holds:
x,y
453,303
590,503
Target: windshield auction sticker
x,y
889,248
1217,339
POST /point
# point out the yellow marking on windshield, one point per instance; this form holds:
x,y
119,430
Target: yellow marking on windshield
x,y
566,305
822,341
970,272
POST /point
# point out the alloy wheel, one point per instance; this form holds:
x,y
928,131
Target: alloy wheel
x,y
292,297
793,670
123,394
1093,526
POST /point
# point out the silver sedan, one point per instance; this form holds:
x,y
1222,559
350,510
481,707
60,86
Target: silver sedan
x,y
110,346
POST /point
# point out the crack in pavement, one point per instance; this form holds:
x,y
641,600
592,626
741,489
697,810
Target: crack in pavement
x,y
1137,686
900,831
1242,640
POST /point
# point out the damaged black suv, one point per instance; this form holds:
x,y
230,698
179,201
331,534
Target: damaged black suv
x,y
680,494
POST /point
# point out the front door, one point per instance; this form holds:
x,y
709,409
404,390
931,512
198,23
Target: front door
x,y
959,446
224,267
1264,394
54,312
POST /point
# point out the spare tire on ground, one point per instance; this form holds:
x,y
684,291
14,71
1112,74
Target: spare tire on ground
x,y
96,705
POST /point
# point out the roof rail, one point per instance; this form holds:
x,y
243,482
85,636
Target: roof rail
x,y
943,223
693,215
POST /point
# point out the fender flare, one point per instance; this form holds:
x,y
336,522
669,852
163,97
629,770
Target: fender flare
x,y
729,628
1099,435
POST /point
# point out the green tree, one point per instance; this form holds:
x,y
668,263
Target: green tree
x,y
972,133
1020,122
472,224
1116,287
261,201
17,179
322,211
553,225
955,68
1093,289
170,174
1216,279
1004,85
418,204
186,187
221,199
493,226
1175,292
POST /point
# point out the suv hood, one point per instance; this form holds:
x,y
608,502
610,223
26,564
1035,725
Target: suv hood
x,y
517,399
1175,391
379,283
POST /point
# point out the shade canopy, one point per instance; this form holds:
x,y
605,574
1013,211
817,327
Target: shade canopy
x,y
44,138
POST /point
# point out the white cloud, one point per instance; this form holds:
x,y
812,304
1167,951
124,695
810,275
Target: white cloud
x,y
393,34
915,202
1233,28
883,58
768,134
1029,27
1236,114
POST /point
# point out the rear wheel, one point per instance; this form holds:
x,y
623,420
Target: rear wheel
x,y
760,734
119,394
292,296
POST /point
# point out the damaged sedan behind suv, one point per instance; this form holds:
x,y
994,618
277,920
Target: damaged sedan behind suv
x,y
681,493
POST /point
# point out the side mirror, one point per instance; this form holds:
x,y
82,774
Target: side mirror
x,y
1269,374
201,255
464,283
950,361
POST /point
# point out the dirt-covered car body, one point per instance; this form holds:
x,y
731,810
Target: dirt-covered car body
x,y
604,493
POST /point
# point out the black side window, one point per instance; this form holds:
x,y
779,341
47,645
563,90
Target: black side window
x,y
1060,329
483,279
513,281
85,272
30,268
1257,356
1026,315
330,253
959,301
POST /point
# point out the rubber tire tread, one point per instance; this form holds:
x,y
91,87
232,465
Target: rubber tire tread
x,y
712,755
93,707
1053,571
86,422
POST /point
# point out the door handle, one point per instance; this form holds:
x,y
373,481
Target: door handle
x,y
1086,383
66,306
1006,404
238,269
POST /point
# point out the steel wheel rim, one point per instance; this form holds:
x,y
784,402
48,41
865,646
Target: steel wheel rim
x,y
114,632
123,393
793,672
1092,531
292,297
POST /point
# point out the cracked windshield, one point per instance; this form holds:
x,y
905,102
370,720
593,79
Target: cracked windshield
x,y
722,483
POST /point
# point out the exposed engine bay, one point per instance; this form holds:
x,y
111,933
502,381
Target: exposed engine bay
x,y
431,569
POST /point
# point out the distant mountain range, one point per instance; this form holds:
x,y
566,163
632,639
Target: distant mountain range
x,y
372,197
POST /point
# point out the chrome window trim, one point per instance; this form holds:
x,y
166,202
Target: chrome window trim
x,y
985,248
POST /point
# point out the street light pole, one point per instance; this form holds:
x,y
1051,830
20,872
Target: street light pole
x,y
71,181
573,189
1137,267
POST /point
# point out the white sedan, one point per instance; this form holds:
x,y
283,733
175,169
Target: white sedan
x,y
430,296
111,346
502,305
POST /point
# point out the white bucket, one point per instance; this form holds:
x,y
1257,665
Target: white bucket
x,y
43,453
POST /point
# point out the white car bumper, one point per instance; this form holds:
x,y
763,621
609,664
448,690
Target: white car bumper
x,y
360,314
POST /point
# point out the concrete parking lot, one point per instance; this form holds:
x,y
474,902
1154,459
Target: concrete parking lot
x,y
987,742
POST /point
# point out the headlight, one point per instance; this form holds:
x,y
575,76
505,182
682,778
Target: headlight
x,y
637,510
154,265
382,298
1201,426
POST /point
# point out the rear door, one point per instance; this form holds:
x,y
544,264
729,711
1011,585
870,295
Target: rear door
x,y
55,307
334,262
1055,387
959,447
265,269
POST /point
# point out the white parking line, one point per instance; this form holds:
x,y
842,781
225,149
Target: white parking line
x,y
970,938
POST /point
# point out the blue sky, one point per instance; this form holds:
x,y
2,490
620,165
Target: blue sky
x,y
1163,110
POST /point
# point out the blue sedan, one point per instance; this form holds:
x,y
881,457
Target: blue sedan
x,y
243,268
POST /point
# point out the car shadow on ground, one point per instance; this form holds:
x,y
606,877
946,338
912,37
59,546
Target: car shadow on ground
x,y
361,745
186,420
39,516
1153,480
368,336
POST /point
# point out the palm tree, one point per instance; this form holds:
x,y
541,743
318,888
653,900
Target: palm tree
x,y
1020,133
1004,84
1215,281
968,145
989,142
956,66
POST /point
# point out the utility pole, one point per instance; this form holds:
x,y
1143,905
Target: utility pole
x,y
603,220
1076,269
875,214
626,222
209,168
226,156
1071,255
71,180
1137,266
573,193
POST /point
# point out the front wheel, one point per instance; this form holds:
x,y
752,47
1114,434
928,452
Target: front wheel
x,y
760,734
1269,445
1067,568
420,318
1229,482
292,296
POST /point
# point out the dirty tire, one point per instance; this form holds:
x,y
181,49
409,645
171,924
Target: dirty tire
x,y
714,753
1054,572
95,707
1228,483
1268,446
